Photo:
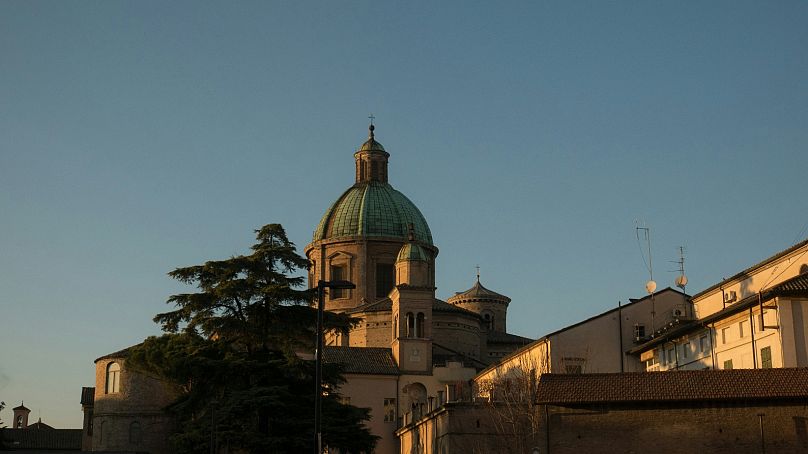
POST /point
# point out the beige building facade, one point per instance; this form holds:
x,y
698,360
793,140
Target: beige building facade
x,y
756,319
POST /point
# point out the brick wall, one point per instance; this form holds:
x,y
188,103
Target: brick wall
x,y
131,419
713,428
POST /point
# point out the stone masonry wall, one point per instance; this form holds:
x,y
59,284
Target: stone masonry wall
x,y
711,429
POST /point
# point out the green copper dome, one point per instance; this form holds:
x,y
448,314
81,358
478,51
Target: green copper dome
x,y
372,209
412,252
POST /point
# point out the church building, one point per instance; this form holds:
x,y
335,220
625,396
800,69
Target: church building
x,y
411,351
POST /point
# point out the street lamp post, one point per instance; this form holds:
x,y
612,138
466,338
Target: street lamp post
x,y
318,391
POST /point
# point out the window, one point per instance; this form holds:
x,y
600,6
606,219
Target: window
x,y
671,356
390,409
573,368
410,325
685,349
419,325
385,279
703,344
639,331
338,273
728,364
135,433
90,422
489,321
19,422
742,330
374,170
766,358
113,384
725,335
396,332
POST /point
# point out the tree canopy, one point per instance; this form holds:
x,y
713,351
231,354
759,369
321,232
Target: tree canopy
x,y
233,351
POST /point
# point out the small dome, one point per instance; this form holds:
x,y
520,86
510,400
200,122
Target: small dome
x,y
478,293
372,209
371,144
412,252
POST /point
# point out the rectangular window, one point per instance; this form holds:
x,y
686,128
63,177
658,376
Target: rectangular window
x,y
742,329
725,335
573,368
685,349
338,273
703,344
766,358
390,409
639,331
728,364
385,279
671,356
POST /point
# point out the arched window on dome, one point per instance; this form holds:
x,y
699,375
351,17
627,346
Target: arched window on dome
x,y
410,325
419,325
113,384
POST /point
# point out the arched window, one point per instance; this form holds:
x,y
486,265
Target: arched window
x,y
419,325
113,378
489,321
395,327
135,434
410,325
19,422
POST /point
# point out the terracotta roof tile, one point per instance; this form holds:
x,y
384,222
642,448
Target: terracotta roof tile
x,y
673,386
362,360
63,439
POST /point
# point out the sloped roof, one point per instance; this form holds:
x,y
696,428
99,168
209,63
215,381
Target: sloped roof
x,y
386,305
21,407
674,386
478,292
119,354
498,337
752,268
362,360
797,285
39,425
62,439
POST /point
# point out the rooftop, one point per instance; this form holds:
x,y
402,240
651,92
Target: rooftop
x,y
673,386
362,360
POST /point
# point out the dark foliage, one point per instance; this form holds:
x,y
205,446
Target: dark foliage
x,y
233,350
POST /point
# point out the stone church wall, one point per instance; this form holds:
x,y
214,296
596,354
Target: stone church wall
x,y
131,419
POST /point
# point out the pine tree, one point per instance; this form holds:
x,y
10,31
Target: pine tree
x,y
232,349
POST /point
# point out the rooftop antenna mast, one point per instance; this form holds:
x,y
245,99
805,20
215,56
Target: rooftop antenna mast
x,y
681,279
650,286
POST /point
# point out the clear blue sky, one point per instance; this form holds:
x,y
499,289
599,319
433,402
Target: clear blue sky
x,y
136,137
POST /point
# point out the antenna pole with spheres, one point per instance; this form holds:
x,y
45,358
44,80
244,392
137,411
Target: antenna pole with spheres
x,y
650,286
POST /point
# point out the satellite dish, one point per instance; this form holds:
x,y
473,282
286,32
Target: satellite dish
x,y
681,281
650,286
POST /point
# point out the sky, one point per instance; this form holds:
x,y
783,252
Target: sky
x,y
138,137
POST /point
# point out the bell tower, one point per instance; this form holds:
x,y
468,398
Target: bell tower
x,y
412,299
21,416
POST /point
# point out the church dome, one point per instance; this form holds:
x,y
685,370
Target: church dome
x,y
412,252
372,209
